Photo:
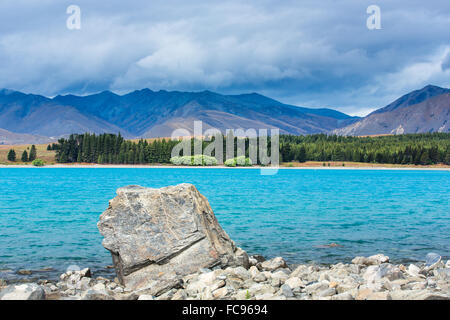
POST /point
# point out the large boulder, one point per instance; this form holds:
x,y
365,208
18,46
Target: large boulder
x,y
157,236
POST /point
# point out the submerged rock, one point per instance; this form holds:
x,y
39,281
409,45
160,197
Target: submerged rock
x,y
157,236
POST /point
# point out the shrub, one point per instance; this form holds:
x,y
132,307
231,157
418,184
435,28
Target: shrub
x,y
209,161
175,160
230,162
197,160
239,161
38,163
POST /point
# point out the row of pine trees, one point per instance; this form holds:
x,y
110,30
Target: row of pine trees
x,y
423,149
427,148
111,149
114,149
25,156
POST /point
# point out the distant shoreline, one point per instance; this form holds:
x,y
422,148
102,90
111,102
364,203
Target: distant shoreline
x,y
127,166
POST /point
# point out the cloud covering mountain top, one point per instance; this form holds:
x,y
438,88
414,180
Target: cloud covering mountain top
x,y
313,53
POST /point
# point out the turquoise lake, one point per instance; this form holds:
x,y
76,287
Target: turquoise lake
x,y
48,216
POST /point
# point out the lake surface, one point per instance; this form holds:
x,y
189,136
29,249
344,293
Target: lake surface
x,y
48,216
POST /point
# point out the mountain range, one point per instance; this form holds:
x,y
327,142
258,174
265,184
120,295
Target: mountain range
x,y
26,118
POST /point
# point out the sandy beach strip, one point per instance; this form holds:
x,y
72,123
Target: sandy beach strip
x,y
125,166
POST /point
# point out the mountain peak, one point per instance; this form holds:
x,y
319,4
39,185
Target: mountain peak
x,y
414,97
423,110
429,87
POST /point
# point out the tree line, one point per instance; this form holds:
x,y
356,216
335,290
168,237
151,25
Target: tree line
x,y
423,148
114,149
111,149
427,148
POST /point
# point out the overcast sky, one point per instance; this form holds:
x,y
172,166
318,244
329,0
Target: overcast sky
x,y
307,53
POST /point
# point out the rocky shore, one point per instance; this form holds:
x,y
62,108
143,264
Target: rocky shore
x,y
372,278
166,244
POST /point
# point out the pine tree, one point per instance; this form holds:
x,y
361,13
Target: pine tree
x,y
25,156
12,155
33,153
301,154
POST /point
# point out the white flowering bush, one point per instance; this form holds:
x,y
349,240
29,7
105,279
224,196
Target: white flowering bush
x,y
186,160
197,160
209,161
230,162
175,160
243,161
239,161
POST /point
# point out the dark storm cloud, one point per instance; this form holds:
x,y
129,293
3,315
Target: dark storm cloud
x,y
311,53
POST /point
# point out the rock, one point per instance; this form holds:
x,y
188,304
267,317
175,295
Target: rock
x,y
83,284
413,270
442,274
118,290
342,296
268,296
379,296
206,294
253,271
258,258
344,287
376,273
241,257
260,277
363,293
146,297
252,262
372,260
242,295
299,271
273,264
327,292
168,295
432,259
157,236
316,287
92,294
260,288
324,277
24,272
294,282
275,282
286,291
242,273
282,276
220,293
86,272
99,287
26,291
417,295
111,286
